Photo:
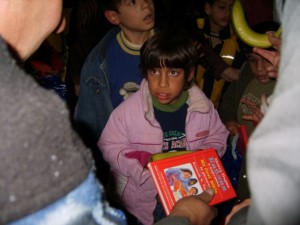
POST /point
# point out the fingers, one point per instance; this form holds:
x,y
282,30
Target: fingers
x,y
196,208
272,56
267,54
233,127
256,115
275,41
207,195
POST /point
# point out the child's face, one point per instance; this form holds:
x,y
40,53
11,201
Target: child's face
x,y
259,66
136,15
192,191
166,84
219,14
186,175
191,182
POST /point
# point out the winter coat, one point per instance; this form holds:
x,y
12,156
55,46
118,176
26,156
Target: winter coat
x,y
132,127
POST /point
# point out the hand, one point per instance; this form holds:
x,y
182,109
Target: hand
x,y
230,74
236,208
233,127
272,56
196,208
256,115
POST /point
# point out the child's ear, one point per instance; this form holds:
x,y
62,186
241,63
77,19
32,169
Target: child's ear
x,y
207,9
112,17
191,75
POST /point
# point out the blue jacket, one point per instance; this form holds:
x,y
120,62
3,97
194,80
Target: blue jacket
x,y
94,105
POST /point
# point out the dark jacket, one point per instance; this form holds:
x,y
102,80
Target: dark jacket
x,y
42,158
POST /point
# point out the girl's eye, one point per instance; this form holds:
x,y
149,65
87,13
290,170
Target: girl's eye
x,y
173,72
154,71
132,2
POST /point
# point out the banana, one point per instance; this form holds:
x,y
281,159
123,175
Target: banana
x,y
245,33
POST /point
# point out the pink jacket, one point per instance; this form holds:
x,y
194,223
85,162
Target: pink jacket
x,y
133,127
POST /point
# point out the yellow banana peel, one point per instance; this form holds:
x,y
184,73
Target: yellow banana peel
x,y
245,33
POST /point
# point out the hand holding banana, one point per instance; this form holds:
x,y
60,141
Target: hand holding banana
x,y
245,33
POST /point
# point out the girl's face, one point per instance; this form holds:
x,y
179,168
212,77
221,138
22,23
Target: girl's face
x,y
259,66
219,14
166,84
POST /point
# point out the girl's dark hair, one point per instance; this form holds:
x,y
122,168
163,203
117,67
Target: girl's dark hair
x,y
168,49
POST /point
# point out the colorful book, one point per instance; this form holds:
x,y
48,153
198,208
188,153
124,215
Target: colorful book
x,y
188,174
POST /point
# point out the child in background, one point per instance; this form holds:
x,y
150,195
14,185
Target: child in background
x,y
168,113
243,97
111,70
220,36
104,84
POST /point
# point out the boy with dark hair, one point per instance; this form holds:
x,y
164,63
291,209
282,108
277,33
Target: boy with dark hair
x,y
111,71
221,38
242,100
168,113
102,88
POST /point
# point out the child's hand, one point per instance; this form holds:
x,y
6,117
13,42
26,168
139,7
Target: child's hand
x,y
256,115
272,56
233,127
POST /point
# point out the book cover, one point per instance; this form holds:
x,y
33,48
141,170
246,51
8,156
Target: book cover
x,y
189,174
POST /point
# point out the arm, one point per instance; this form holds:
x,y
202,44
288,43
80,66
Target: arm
x,y
192,210
232,218
231,99
218,67
115,145
228,108
94,106
218,133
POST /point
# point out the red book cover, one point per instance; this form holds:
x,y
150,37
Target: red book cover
x,y
189,174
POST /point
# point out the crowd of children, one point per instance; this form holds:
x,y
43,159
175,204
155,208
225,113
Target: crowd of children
x,y
147,88
114,70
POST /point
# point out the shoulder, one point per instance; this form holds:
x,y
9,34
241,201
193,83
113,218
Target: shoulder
x,y
131,103
101,48
137,102
246,74
198,101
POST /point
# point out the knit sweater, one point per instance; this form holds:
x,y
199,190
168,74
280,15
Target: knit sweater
x,y
42,158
